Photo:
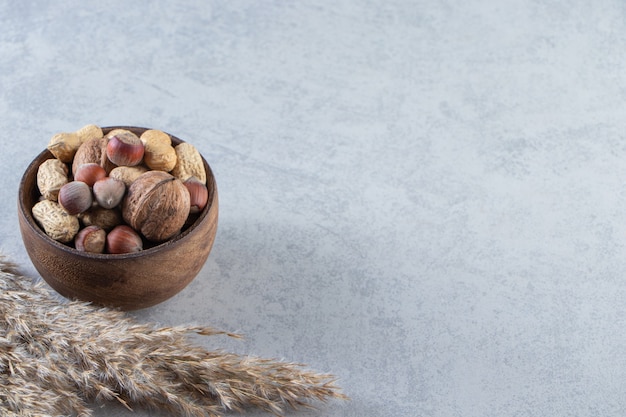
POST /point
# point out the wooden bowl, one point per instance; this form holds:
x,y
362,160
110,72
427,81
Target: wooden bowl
x,y
127,281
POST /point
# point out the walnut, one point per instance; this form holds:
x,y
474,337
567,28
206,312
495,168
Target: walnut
x,y
157,205
92,151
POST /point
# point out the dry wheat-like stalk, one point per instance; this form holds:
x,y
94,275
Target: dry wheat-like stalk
x,y
57,357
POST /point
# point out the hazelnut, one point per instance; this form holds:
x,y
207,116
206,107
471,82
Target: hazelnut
x,y
108,192
198,194
90,239
123,239
157,205
89,173
125,148
75,197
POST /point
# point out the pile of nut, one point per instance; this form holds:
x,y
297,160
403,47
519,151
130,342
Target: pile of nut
x,y
114,193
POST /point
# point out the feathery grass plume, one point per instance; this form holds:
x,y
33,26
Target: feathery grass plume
x,y
57,357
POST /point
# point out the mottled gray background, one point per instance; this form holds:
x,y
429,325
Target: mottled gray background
x,y
426,198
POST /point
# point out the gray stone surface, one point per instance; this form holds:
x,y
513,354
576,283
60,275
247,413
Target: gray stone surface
x,y
426,198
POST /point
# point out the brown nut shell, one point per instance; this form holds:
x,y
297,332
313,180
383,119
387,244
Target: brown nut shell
x,y
75,197
125,149
109,192
89,173
90,239
157,205
123,239
198,193
92,151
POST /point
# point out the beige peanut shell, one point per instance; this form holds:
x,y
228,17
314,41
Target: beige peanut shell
x,y
64,146
51,176
55,221
155,137
159,154
128,174
188,163
160,159
89,132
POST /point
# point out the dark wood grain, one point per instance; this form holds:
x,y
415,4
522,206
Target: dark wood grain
x,y
125,281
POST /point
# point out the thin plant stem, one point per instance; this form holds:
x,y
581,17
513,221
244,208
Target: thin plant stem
x,y
57,357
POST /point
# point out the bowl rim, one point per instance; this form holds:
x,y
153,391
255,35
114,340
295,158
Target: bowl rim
x,y
178,239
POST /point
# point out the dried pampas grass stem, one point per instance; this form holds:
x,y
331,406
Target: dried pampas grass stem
x,y
57,357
